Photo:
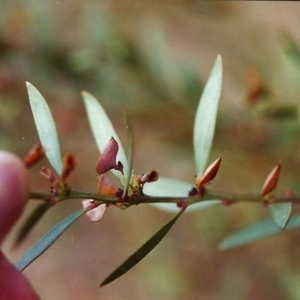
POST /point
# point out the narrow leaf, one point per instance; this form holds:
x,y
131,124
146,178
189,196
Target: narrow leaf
x,y
31,221
47,240
141,252
167,187
172,207
291,57
281,213
130,133
102,128
256,232
206,115
46,127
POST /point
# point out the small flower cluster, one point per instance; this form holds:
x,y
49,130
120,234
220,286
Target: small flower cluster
x,y
58,185
108,161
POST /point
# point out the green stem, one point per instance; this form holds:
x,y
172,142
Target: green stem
x,y
208,195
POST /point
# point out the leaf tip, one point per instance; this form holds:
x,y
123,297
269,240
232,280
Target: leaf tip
x,y
85,93
221,247
219,60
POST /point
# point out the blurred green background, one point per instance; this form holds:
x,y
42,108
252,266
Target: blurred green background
x,y
153,57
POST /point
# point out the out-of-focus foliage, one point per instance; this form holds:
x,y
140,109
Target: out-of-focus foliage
x,y
95,55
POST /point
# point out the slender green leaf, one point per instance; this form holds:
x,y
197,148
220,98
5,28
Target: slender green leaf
x,y
167,187
47,240
102,128
141,252
206,115
31,221
281,213
172,207
130,151
256,232
46,127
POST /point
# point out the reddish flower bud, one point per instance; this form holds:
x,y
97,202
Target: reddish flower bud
x,y
257,88
149,177
69,164
35,154
107,159
287,193
271,181
209,174
182,205
226,202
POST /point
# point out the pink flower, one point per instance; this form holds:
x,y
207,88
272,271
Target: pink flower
x,y
95,212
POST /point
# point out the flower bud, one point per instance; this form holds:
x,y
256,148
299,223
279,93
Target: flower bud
x,y
271,181
35,154
69,164
209,174
149,177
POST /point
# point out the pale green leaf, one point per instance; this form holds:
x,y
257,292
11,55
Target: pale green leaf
x,y
256,232
46,127
47,240
291,57
281,213
172,207
137,256
206,115
102,128
167,187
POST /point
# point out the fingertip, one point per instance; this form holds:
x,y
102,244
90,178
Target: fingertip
x,y
13,284
14,190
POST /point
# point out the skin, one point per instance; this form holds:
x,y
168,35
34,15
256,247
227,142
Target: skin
x,y
14,190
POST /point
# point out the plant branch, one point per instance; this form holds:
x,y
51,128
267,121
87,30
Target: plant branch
x,y
208,195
